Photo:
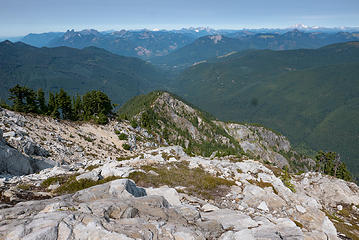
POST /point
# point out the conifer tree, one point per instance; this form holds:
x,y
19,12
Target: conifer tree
x,y
64,103
52,104
17,95
55,107
78,108
31,104
329,163
41,101
96,103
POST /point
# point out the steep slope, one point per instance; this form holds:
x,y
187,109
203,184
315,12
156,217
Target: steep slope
x,y
208,47
304,94
201,49
143,44
76,71
40,39
175,122
100,191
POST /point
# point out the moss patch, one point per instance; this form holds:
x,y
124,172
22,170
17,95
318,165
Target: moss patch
x,y
262,184
92,167
197,181
72,185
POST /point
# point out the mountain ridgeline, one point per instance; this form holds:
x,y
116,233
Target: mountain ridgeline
x,y
214,46
76,71
184,47
143,44
311,96
172,121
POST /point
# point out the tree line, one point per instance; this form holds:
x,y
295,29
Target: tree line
x,y
330,163
93,105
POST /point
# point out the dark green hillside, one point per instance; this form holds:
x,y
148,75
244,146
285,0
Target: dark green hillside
x,y
165,115
76,71
312,96
201,49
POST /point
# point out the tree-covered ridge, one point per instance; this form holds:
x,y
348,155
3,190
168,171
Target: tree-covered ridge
x,y
170,121
76,71
94,105
311,96
165,115
330,163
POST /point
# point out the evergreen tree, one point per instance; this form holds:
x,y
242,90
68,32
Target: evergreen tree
x,y
329,163
64,103
24,99
17,95
53,106
30,97
78,108
96,103
41,101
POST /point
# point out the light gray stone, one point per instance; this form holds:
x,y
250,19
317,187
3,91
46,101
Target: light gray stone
x,y
170,194
209,208
93,175
300,209
263,206
231,219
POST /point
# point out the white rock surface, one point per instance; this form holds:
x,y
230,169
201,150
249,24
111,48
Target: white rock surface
x,y
170,194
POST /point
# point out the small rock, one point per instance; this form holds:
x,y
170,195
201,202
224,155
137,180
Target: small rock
x,y
9,134
93,175
209,208
300,209
340,207
54,186
263,206
153,173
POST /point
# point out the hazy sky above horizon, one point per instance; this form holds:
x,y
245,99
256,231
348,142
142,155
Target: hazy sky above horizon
x,y
20,17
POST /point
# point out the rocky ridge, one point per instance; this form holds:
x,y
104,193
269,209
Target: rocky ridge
x,y
236,197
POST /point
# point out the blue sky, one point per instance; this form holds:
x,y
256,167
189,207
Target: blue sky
x,y
19,17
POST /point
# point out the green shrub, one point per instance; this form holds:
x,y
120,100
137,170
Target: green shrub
x,y
72,185
286,180
126,146
101,119
134,124
51,180
24,186
123,136
92,167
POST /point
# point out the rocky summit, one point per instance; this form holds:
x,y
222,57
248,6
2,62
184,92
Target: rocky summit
x,y
164,170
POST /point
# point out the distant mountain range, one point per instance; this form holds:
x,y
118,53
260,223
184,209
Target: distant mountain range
x,y
76,71
143,44
312,96
149,44
218,45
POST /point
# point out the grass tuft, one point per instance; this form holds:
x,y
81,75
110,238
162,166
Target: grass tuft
x,y
197,181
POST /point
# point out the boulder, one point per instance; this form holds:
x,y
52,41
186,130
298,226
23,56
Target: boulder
x,y
93,175
12,161
121,188
230,219
209,208
170,194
